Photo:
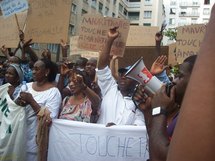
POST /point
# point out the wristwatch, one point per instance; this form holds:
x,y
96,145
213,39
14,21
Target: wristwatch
x,y
158,111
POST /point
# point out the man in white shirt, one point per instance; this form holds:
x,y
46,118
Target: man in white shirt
x,y
117,106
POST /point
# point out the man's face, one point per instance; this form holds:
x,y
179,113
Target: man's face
x,y
125,84
181,82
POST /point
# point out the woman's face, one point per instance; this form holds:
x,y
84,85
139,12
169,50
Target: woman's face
x,y
39,71
74,88
11,76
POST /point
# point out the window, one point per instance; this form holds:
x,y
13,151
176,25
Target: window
x,y
114,2
125,12
207,2
71,29
147,14
120,7
74,8
173,3
106,11
85,1
36,46
134,0
133,15
113,14
172,11
205,20
93,4
53,47
146,24
172,21
83,11
193,20
100,7
206,11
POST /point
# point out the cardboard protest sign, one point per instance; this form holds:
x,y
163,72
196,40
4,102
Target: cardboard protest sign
x,y
48,21
189,39
94,29
9,33
141,36
10,7
171,56
73,140
74,49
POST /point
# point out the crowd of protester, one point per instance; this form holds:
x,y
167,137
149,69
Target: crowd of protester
x,y
92,91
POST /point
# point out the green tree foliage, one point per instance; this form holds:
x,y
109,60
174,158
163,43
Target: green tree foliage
x,y
171,33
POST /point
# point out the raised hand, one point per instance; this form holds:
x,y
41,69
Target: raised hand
x,y
160,99
64,69
142,99
113,33
158,65
158,37
4,50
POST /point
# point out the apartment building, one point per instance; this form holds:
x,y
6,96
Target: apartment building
x,y
139,12
183,12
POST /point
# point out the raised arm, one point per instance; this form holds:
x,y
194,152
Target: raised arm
x,y
193,138
5,51
113,66
105,53
158,39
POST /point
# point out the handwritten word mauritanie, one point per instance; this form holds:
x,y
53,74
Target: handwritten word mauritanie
x,y
105,22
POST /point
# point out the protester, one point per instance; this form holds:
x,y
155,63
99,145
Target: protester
x,y
117,106
159,108
12,73
41,93
82,103
193,138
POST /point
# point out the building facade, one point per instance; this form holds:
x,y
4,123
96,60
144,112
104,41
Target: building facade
x,y
139,12
183,12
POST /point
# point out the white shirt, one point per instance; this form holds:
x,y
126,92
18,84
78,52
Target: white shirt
x,y
114,107
50,99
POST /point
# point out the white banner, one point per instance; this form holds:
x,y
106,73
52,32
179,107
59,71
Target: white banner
x,y
12,128
78,141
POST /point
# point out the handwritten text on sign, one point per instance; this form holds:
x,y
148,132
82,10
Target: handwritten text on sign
x,y
10,7
46,22
189,39
71,140
93,33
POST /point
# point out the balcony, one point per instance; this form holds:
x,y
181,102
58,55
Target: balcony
x,y
191,14
132,4
133,17
189,4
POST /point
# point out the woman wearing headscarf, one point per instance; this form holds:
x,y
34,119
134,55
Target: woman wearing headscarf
x,y
12,73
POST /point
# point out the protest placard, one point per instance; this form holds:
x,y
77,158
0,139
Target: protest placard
x,y
171,56
9,33
48,21
94,29
75,50
72,140
189,39
141,36
11,7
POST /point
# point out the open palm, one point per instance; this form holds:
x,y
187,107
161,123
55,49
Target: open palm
x,y
158,65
